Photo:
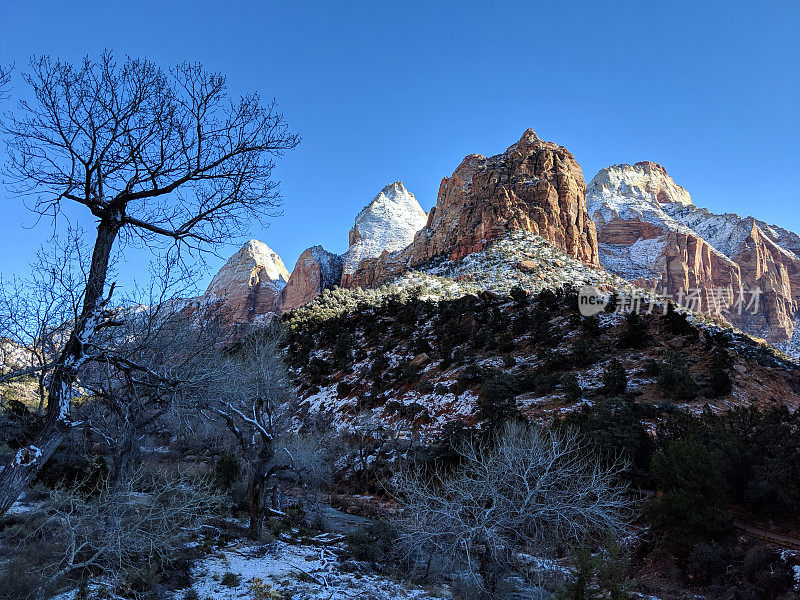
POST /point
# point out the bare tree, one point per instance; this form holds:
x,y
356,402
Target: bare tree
x,y
5,78
526,491
255,399
146,380
36,312
160,159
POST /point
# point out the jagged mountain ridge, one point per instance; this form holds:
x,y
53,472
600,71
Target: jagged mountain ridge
x,y
650,232
534,186
635,220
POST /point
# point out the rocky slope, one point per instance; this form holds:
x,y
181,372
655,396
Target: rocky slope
x,y
387,224
534,186
415,355
248,287
315,270
650,232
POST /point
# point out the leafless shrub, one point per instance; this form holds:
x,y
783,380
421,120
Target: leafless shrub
x,y
107,533
527,491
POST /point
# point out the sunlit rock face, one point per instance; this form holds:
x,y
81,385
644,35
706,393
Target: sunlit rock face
x,y
534,186
248,287
315,270
650,232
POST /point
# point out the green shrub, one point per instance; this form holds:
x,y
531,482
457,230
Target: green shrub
x,y
612,427
692,506
615,379
590,326
425,387
571,387
343,389
634,333
372,542
719,379
231,580
584,353
227,470
675,379
707,563
676,322
505,342
612,572
496,404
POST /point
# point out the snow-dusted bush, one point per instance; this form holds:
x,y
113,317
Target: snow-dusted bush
x,y
117,534
525,491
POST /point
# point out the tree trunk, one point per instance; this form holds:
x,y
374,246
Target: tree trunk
x,y
22,469
256,489
256,498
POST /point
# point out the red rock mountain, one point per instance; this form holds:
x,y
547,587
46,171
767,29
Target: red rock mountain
x,y
315,270
248,287
534,186
650,232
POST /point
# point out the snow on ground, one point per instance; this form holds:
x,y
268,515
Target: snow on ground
x,y
292,571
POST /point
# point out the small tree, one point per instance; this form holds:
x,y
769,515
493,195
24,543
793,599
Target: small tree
x,y
615,379
693,495
254,397
675,379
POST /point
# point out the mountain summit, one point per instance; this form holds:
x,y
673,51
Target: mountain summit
x,y
248,285
650,232
388,223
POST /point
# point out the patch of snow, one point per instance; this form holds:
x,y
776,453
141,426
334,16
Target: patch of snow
x,y
297,571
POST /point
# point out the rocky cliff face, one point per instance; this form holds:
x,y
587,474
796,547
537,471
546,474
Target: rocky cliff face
x,y
248,287
650,232
534,186
315,270
387,224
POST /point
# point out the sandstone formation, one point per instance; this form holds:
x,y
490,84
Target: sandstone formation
x,y
248,287
650,232
534,186
316,270
387,224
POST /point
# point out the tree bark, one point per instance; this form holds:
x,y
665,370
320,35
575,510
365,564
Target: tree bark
x,y
256,496
258,483
22,469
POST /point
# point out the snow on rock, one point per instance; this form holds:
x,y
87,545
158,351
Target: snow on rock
x,y
650,232
254,264
247,287
387,223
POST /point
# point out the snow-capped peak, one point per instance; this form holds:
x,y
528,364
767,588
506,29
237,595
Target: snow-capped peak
x,y
646,181
255,263
388,223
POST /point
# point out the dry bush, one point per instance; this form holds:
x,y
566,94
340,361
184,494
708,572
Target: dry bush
x,y
111,534
526,490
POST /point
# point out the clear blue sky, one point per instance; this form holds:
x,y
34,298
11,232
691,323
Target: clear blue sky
x,y
385,91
